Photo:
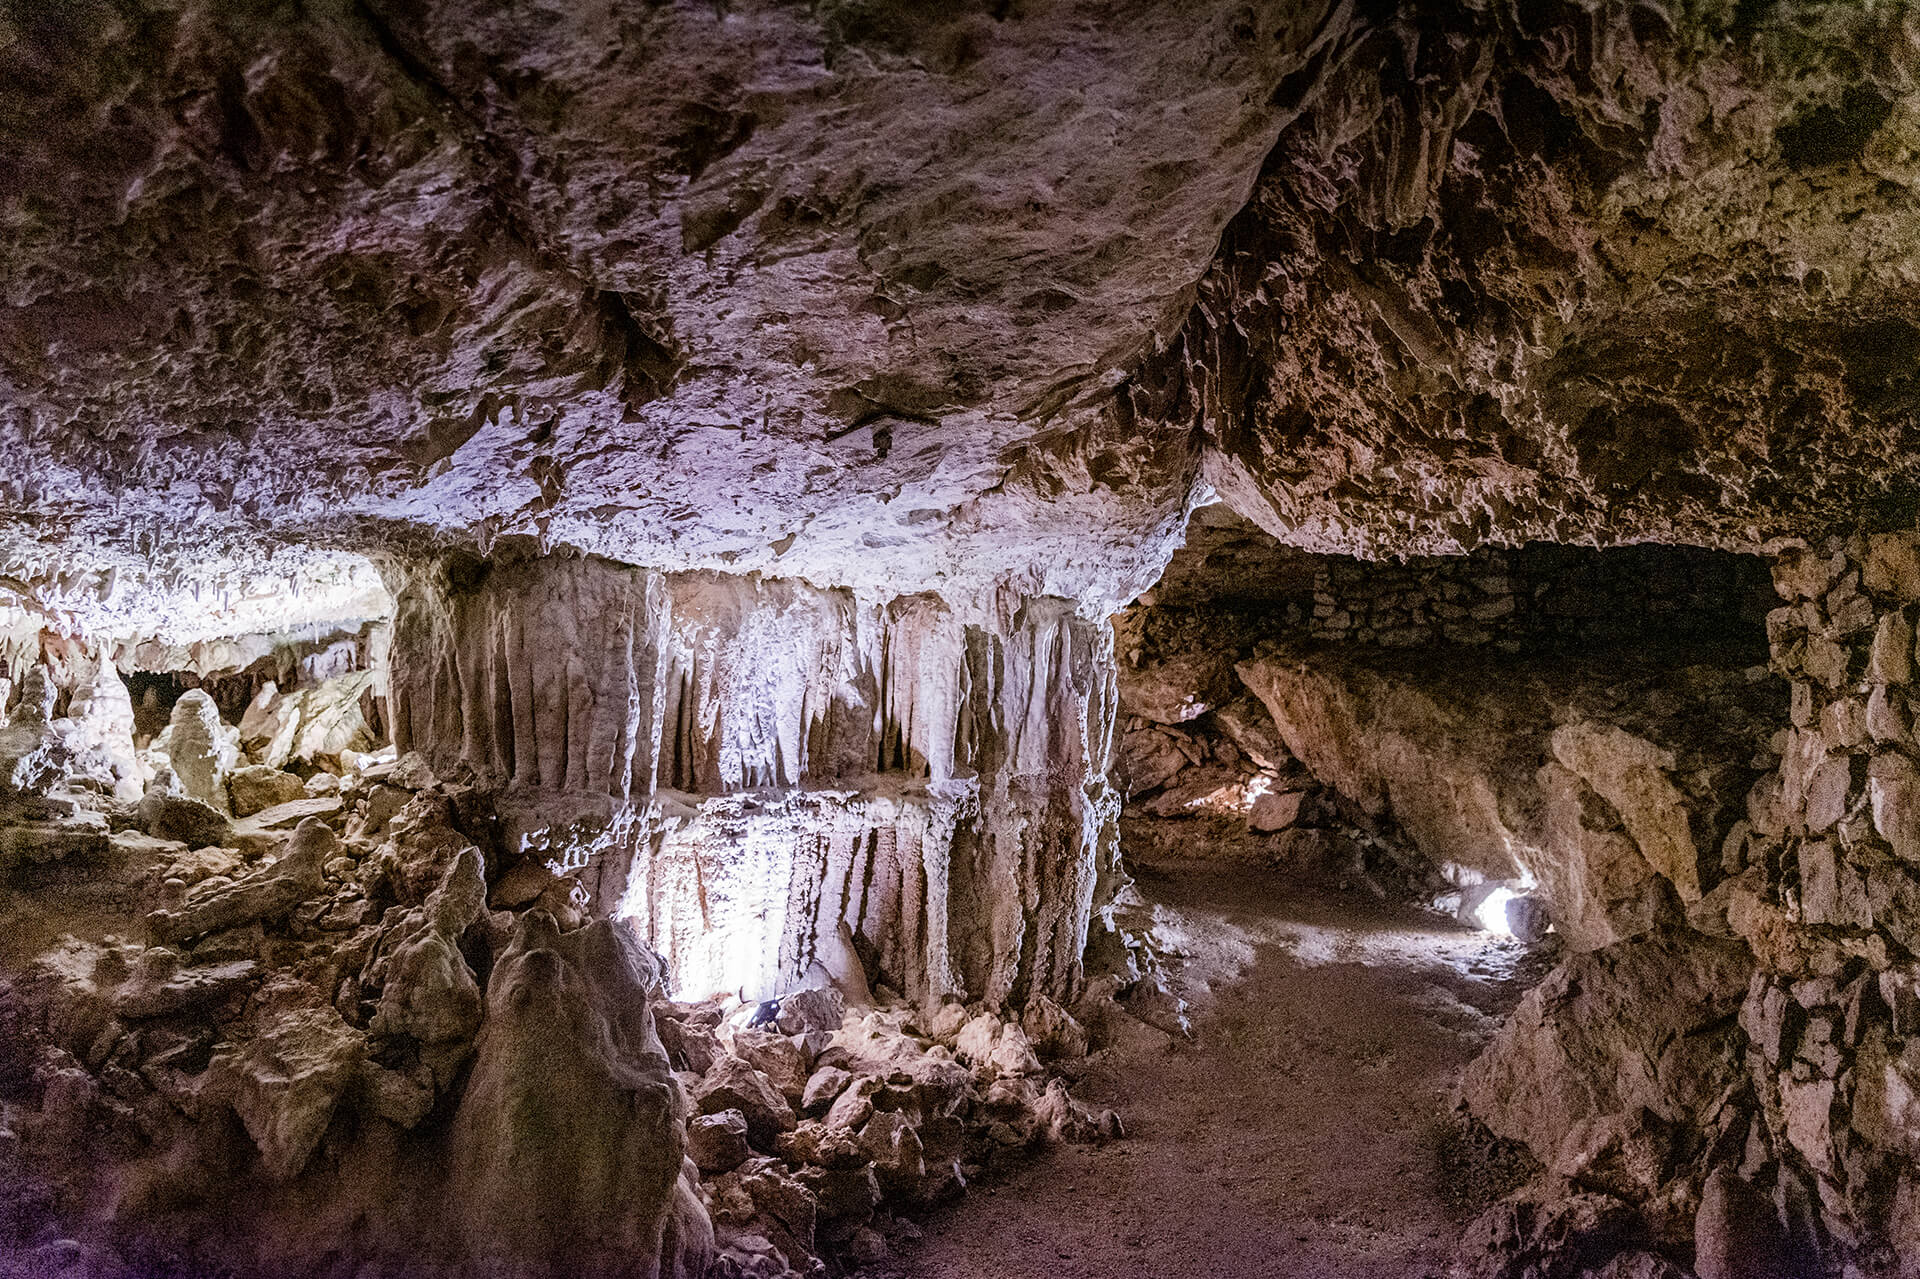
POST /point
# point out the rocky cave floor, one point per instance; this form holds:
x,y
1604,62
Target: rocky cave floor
x,y
1304,1130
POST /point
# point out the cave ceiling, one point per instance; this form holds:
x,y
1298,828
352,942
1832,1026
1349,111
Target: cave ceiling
x,y
945,296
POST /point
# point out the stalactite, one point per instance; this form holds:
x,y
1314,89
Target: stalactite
x,y
772,760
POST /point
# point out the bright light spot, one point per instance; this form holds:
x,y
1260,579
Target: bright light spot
x,y
1260,785
1491,913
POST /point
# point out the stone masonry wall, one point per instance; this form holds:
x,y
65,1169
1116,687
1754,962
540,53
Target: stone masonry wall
x,y
1827,893
1537,596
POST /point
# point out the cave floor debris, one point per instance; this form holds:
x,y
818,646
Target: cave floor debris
x,y
1300,1134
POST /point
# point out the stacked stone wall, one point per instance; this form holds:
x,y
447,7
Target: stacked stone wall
x,y
1538,596
1827,893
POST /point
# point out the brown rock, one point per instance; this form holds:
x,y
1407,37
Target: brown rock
x,y
263,894
1276,811
717,1142
1893,794
1892,568
733,1084
1737,1234
568,1148
1637,1026
823,1089
256,787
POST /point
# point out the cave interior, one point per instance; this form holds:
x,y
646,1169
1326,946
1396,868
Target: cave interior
x,y
1019,638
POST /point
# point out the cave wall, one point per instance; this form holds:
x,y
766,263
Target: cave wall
x,y
741,766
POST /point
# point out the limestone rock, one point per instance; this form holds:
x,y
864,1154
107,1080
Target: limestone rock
x,y
81,838
823,1088
1276,810
394,1097
1053,1031
1545,1233
286,1081
995,1048
262,894
1737,1234
1631,774
31,754
168,815
198,749
430,992
814,1010
717,1142
733,1084
255,787
776,1056
1148,759
160,986
1177,687
567,1148
1893,792
1637,1026
1892,567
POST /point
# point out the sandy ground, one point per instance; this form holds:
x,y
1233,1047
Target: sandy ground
x,y
1299,1135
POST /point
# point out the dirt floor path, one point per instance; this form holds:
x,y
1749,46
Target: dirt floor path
x,y
1299,1135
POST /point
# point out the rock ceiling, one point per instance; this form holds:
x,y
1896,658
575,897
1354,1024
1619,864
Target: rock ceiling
x,y
912,296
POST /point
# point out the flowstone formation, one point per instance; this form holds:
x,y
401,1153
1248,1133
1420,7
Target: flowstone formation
x,y
749,770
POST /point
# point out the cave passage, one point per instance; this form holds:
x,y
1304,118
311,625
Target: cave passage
x,y
870,638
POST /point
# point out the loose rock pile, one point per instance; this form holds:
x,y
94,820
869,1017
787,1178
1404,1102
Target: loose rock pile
x,y
815,1134
298,997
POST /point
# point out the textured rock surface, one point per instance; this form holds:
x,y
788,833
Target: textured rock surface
x,y
1611,786
895,342
1499,251
590,227
1641,1026
568,1144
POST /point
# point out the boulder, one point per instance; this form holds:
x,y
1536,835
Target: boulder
x,y
733,1084
521,885
1644,1025
843,1196
399,1099
995,1048
1276,810
170,815
717,1143
815,1010
1052,1030
1247,725
287,1079
779,1057
1177,686
1545,1232
823,1089
255,787
893,1147
1148,759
